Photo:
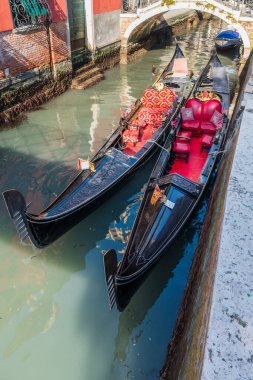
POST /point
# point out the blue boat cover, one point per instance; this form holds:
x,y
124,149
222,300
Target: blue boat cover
x,y
228,34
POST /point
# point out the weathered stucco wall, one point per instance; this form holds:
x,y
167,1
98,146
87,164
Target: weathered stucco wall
x,y
107,28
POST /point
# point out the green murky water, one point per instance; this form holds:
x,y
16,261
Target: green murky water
x,y
55,322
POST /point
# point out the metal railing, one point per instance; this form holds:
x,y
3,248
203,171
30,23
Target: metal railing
x,y
244,6
131,6
29,12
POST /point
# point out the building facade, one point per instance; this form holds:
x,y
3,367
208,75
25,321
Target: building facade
x,y
33,34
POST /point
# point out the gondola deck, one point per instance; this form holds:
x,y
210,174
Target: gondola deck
x,y
195,164
102,178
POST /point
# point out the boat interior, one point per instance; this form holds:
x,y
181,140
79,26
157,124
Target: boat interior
x,y
145,122
155,105
202,117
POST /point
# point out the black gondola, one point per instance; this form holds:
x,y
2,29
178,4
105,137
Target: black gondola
x,y
227,40
176,184
109,166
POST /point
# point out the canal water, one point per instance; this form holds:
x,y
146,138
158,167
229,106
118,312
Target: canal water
x,y
55,322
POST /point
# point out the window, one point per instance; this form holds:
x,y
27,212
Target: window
x,y
28,12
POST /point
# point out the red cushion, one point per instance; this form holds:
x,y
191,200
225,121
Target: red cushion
x,y
191,125
207,127
196,106
187,113
130,136
217,119
185,134
181,147
209,107
147,132
207,140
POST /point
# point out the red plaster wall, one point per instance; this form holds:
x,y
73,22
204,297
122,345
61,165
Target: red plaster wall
x,y
58,10
6,22
59,42
104,6
26,51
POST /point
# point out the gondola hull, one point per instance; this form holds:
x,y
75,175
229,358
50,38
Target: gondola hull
x,y
176,184
43,232
227,40
222,44
109,167
170,223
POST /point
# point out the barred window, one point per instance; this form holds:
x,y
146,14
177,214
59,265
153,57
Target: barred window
x,y
28,12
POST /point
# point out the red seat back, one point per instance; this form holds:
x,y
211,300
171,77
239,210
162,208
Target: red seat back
x,y
196,105
209,107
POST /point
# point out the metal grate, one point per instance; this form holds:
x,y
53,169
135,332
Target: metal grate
x,y
29,12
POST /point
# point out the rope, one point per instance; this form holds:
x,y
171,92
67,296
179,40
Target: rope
x,y
160,146
220,151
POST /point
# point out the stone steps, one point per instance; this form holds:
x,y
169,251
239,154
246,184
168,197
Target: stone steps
x,y
87,76
85,68
88,82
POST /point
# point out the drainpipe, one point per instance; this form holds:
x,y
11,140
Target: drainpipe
x,y
68,34
47,22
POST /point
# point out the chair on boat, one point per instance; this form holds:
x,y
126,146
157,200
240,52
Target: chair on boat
x,y
201,117
191,120
131,136
181,150
206,142
183,136
211,116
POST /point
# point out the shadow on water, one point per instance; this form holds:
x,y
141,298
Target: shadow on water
x,y
150,297
41,181
37,274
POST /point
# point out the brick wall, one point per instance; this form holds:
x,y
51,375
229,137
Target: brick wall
x,y
58,36
20,52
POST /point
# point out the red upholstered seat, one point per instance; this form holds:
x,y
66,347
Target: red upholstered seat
x,y
202,112
209,107
191,125
130,136
154,99
181,147
184,136
207,127
196,106
206,142
147,132
181,150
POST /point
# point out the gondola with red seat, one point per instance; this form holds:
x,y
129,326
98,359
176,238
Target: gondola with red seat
x,y
176,184
130,146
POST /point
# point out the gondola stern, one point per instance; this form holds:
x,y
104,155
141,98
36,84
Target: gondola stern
x,y
110,270
16,206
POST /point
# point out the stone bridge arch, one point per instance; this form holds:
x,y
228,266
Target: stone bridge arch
x,y
231,17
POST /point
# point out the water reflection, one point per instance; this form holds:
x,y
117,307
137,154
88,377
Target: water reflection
x,y
55,321
151,289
